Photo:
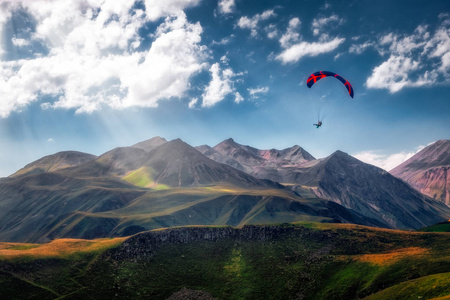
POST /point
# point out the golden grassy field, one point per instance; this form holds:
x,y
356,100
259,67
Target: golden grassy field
x,y
56,248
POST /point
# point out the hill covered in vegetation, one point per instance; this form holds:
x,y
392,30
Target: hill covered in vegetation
x,y
287,261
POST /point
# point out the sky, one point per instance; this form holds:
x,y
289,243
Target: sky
x,y
92,75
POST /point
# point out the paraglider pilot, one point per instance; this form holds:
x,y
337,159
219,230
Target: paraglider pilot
x,y
319,123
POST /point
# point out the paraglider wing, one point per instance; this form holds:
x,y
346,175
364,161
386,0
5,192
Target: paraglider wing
x,y
313,78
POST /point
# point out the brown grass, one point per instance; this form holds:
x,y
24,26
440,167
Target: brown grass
x,y
442,298
57,248
392,256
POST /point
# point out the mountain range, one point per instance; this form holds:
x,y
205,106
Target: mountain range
x,y
428,171
159,183
339,177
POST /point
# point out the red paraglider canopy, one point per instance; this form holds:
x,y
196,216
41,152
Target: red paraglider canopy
x,y
313,78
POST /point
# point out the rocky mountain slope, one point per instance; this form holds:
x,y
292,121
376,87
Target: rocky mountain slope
x,y
371,191
273,164
342,178
147,186
159,183
428,171
55,162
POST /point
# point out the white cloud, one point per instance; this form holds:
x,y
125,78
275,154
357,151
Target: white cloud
x,y
193,102
162,8
257,92
226,6
360,48
173,58
18,42
439,46
224,59
291,36
318,24
297,51
5,15
393,74
271,31
417,59
219,87
253,22
224,41
326,6
238,97
50,140
93,58
386,162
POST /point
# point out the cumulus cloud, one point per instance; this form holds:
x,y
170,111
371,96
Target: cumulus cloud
x,y
161,8
224,41
18,42
174,57
254,22
413,60
238,97
193,102
271,31
386,162
255,93
93,57
393,74
226,6
291,36
294,48
360,48
219,87
319,24
295,52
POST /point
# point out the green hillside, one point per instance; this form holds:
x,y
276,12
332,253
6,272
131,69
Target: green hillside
x,y
288,261
207,205
439,227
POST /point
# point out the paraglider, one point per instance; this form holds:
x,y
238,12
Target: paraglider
x,y
314,77
319,123
333,93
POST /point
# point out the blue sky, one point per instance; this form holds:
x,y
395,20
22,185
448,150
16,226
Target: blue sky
x,y
92,75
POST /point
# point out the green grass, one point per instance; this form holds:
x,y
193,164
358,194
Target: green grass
x,y
143,177
308,261
426,287
24,247
440,227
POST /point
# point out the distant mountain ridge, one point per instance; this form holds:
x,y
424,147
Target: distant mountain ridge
x,y
55,162
342,178
149,145
428,171
371,191
273,164
152,184
159,183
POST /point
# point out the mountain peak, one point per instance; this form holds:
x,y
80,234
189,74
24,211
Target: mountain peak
x,y
176,148
150,144
339,152
340,155
428,171
229,143
54,162
441,142
436,154
179,142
